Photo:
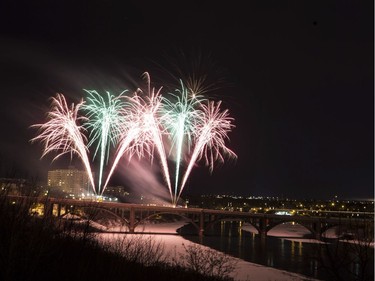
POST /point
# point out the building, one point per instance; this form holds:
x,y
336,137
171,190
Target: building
x,y
69,180
116,191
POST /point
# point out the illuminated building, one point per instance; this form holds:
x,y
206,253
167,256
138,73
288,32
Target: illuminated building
x,y
69,180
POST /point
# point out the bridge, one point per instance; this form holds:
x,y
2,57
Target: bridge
x,y
133,215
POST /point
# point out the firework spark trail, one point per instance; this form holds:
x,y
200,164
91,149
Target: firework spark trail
x,y
180,116
152,129
142,131
130,131
62,133
210,138
104,121
124,145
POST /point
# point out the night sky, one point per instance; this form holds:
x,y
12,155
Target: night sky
x,y
296,76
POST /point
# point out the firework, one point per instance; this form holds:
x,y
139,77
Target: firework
x,y
130,131
194,127
210,132
143,131
181,114
63,133
104,122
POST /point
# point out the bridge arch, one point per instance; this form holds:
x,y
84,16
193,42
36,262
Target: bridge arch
x,y
273,224
211,223
103,209
189,220
328,227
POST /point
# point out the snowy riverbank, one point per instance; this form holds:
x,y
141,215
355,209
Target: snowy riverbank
x,y
174,245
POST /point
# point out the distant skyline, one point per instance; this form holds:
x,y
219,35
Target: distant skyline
x,y
296,77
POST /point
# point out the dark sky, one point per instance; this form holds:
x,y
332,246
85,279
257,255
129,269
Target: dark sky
x,y
297,77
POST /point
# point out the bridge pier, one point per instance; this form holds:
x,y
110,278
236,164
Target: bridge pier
x,y
132,220
317,227
263,235
201,224
263,228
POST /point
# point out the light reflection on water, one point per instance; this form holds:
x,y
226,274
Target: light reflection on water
x,y
278,252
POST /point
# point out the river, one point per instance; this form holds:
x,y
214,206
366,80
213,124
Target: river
x,y
278,252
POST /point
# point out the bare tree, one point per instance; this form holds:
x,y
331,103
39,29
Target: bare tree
x,y
138,249
350,256
206,261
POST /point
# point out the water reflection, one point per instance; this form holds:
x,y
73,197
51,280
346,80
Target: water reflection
x,y
292,249
314,267
240,239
